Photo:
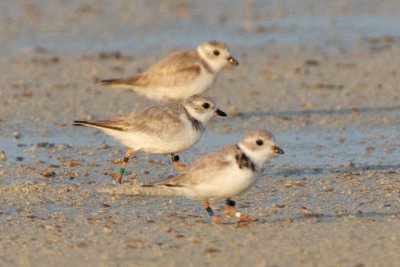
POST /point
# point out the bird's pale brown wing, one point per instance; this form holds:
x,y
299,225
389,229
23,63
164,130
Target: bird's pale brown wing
x,y
175,70
214,160
204,168
163,120
118,124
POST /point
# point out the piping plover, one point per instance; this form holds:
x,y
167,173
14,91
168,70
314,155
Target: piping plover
x,y
164,129
224,173
180,74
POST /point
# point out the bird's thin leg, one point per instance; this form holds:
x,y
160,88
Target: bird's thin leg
x,y
175,159
118,176
230,208
210,212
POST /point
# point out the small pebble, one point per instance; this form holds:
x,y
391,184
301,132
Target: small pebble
x,y
16,135
3,156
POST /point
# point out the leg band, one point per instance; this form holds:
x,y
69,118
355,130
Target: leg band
x,y
175,158
230,203
121,170
210,211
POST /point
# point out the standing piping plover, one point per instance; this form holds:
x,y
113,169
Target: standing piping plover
x,y
165,129
180,74
224,173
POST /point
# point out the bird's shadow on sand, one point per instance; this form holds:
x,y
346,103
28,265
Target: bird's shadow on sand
x,y
326,169
338,111
308,218
320,217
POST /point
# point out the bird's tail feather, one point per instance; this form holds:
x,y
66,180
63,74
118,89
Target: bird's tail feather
x,y
168,182
81,123
110,81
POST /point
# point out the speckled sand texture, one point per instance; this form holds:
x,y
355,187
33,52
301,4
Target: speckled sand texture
x,y
323,77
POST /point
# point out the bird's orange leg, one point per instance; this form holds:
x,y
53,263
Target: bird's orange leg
x,y
175,159
118,176
230,208
210,212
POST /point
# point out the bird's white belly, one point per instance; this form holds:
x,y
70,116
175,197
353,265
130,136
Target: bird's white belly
x,y
157,142
229,183
196,86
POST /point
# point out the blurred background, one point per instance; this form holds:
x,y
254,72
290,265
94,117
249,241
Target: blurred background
x,y
75,26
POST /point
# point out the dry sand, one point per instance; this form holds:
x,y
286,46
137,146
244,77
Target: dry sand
x,y
332,200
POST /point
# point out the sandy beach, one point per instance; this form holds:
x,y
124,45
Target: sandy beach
x,y
323,77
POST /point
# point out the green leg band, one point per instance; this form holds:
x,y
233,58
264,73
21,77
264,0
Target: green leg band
x,y
122,170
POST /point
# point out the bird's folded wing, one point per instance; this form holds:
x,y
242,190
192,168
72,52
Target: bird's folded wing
x,y
201,170
175,70
163,120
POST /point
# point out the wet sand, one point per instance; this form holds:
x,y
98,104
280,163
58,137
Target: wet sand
x,y
330,96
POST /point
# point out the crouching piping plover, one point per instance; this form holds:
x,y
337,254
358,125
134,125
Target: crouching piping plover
x,y
164,129
180,74
224,173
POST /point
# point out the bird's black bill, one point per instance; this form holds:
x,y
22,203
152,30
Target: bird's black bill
x,y
220,113
233,61
277,150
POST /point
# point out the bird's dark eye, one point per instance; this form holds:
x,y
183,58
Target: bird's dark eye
x,y
216,52
206,105
259,142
